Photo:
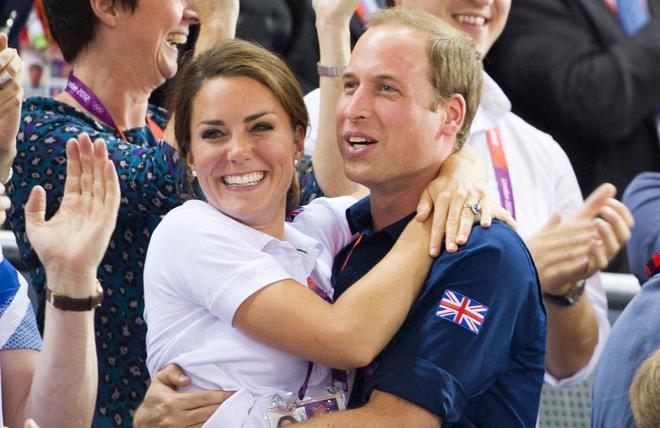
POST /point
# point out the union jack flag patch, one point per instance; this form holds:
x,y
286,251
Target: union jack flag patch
x,y
462,310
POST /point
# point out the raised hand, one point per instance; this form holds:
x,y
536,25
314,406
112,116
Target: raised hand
x,y
11,95
338,12
74,240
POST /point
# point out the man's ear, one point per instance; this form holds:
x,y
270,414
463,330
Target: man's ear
x,y
105,11
454,109
397,2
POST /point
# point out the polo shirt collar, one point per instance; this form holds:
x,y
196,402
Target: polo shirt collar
x,y
494,105
360,220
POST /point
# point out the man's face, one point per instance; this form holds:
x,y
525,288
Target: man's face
x,y
388,136
482,20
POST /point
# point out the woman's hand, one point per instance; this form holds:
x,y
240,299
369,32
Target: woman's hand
x,y
457,198
212,12
73,241
334,12
11,95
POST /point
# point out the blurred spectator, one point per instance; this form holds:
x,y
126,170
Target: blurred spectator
x,y
645,393
634,337
587,74
21,9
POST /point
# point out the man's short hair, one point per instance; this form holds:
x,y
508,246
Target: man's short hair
x,y
645,393
455,63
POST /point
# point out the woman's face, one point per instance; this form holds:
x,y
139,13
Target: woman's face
x,y
242,149
153,33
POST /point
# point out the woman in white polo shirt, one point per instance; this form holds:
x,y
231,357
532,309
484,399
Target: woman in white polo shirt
x,y
231,290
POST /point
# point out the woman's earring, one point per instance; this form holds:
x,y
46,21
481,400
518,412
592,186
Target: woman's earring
x,y
194,173
295,163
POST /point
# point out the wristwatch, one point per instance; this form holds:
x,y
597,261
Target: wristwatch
x,y
568,299
66,303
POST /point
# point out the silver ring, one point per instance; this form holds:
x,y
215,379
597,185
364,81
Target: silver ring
x,y
5,80
475,208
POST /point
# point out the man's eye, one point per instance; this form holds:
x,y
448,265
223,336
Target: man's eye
x,y
387,88
350,86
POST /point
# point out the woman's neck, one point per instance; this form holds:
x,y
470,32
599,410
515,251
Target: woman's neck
x,y
118,89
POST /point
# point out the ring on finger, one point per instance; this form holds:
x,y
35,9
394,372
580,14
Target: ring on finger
x,y
475,208
5,80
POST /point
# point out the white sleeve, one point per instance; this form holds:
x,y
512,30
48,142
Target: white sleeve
x,y
595,292
313,104
569,200
324,219
209,260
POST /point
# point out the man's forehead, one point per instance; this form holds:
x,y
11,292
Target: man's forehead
x,y
387,51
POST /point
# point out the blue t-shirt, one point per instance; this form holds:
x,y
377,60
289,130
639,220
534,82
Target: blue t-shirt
x,y
18,327
472,347
634,337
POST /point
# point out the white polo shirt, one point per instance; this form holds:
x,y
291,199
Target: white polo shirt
x,y
201,265
542,181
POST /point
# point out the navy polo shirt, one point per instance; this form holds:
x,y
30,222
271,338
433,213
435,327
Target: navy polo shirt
x,y
472,347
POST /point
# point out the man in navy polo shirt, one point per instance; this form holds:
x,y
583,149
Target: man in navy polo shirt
x,y
471,351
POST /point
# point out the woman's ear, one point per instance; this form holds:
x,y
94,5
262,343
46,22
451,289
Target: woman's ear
x,y
299,138
105,11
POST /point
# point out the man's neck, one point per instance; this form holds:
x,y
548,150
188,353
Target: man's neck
x,y
388,207
120,91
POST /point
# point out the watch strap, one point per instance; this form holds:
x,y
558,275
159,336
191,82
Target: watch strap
x,y
569,299
66,303
330,70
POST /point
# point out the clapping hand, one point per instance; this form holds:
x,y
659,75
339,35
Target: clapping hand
x,y
11,95
73,241
567,250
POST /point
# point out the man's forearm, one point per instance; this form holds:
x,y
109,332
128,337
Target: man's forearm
x,y
572,337
382,410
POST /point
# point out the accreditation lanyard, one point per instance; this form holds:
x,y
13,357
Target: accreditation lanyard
x,y
501,170
88,99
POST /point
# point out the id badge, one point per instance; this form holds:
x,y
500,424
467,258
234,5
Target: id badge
x,y
283,414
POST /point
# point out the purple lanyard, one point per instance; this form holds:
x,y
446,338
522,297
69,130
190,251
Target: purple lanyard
x,y
339,377
501,170
88,99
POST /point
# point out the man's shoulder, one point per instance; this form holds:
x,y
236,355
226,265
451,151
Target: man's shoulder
x,y
491,256
497,240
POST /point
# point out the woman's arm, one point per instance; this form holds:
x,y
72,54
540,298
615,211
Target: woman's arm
x,y
353,330
70,245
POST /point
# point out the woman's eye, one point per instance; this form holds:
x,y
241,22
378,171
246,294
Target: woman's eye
x,y
211,134
262,126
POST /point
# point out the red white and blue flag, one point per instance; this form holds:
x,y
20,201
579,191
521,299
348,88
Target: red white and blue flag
x,y
462,310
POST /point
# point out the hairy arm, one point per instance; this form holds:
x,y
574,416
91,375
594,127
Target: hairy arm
x,y
382,410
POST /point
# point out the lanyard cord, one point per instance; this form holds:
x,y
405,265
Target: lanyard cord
x,y
501,167
88,99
